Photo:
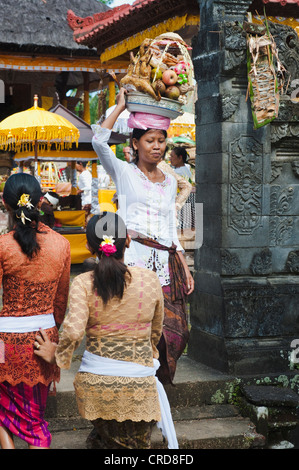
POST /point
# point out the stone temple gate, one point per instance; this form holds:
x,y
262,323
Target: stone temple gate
x,y
245,309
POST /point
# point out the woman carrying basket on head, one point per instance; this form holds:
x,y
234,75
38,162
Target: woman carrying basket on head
x,y
146,197
34,272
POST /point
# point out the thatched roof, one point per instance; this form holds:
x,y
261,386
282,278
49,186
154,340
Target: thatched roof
x,y
33,25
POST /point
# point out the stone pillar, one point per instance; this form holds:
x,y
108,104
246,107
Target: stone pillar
x,y
245,309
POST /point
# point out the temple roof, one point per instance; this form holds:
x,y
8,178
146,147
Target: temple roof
x,y
105,29
38,24
85,129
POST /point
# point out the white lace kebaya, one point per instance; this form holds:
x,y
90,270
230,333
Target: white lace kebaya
x,y
147,208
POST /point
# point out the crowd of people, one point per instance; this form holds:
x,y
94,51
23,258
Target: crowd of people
x,y
130,305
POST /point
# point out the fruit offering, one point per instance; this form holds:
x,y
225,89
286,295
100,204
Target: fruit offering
x,y
161,68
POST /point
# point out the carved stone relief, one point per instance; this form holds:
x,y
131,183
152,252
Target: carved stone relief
x,y
235,46
261,263
280,131
229,105
253,310
287,43
281,225
230,263
292,264
275,170
280,200
295,168
245,185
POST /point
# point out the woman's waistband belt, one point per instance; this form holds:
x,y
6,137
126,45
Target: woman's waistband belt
x,y
26,324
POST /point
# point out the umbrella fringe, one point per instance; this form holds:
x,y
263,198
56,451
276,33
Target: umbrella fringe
x,y
14,140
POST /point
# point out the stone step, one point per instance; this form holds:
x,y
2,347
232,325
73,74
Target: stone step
x,y
192,413
195,385
216,433
199,402
229,431
198,427
187,396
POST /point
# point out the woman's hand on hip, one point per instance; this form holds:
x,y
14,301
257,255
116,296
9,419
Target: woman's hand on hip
x,y
44,348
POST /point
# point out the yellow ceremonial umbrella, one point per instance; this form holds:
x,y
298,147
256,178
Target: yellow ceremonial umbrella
x,y
37,129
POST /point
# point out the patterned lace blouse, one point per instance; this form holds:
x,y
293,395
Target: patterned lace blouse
x,y
32,287
129,330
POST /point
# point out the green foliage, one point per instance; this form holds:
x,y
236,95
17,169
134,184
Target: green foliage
x,y
106,2
93,108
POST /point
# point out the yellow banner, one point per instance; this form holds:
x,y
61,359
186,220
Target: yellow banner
x,y
171,25
53,64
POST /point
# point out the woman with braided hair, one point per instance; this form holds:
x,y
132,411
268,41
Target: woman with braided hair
x,y
34,273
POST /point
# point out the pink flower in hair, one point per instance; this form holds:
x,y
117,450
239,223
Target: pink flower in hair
x,y
107,246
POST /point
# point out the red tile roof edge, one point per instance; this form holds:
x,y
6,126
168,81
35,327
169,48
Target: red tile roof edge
x,y
283,2
84,27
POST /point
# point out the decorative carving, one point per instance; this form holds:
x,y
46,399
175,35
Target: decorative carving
x,y
233,37
281,131
281,229
287,43
280,200
230,263
281,226
245,185
261,263
229,105
292,264
275,170
233,59
235,46
259,308
295,168
288,111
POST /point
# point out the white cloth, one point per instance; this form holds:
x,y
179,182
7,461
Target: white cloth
x,y
184,171
146,207
99,365
26,324
95,207
84,183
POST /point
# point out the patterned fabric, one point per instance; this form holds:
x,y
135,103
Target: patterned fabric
x,y
22,411
32,287
63,175
175,327
128,329
174,338
176,269
125,435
